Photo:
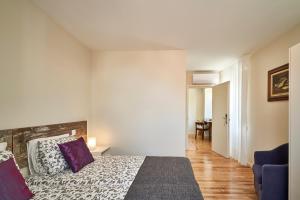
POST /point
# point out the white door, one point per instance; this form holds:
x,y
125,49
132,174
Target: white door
x,y
220,119
294,137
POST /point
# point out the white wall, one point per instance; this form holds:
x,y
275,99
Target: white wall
x,y
195,107
208,103
138,101
44,72
294,108
268,121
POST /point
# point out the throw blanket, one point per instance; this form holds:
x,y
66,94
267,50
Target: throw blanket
x,y
164,178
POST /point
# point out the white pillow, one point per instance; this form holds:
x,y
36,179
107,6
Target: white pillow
x,y
3,146
34,163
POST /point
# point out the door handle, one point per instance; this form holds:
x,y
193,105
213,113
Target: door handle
x,y
225,119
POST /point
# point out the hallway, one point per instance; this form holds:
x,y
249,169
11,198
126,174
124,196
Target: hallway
x,y
218,177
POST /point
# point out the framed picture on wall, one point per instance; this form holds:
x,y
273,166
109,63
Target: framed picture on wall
x,y
278,83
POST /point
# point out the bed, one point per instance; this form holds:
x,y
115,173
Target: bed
x,y
115,177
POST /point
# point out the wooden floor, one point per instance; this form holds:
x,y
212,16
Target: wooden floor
x,y
218,177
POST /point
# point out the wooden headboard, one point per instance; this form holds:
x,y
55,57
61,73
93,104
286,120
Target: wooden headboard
x,y
18,138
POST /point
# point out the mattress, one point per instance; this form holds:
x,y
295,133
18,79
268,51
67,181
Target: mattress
x,y
121,177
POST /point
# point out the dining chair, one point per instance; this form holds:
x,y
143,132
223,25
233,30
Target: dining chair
x,y
201,127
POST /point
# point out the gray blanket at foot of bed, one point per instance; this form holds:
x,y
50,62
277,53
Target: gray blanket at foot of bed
x,y
164,178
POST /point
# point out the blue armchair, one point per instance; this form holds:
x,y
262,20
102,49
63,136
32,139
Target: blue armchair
x,y
271,173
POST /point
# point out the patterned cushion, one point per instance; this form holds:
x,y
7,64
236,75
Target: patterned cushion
x,y
5,155
39,165
50,155
34,162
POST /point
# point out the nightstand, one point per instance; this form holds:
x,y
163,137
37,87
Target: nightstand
x,y
100,149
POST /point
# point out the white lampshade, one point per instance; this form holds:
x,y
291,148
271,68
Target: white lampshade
x,y
92,142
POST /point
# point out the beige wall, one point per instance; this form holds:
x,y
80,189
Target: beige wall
x,y
226,74
138,101
268,121
44,72
195,108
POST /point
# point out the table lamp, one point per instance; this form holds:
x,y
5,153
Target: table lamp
x,y
92,142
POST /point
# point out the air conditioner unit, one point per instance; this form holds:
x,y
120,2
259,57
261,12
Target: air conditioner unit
x,y
205,78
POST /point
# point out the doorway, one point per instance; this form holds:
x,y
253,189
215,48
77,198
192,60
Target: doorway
x,y
199,109
208,116
236,137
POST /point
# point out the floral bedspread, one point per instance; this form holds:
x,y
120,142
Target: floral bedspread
x,y
107,178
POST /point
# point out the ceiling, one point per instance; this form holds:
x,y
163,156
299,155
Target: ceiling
x,y
215,33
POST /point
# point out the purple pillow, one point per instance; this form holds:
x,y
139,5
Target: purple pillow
x,y
12,183
76,154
